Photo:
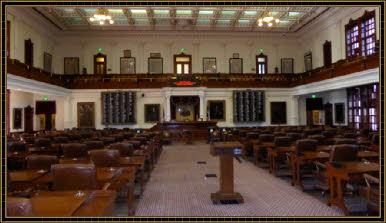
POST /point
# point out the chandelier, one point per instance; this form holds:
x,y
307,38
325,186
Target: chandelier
x,y
102,17
268,19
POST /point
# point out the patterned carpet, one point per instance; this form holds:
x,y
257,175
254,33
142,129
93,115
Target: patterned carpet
x,y
178,187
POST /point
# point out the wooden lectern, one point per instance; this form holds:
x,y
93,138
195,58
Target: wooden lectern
x,y
226,151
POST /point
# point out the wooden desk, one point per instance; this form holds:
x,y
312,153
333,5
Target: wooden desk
x,y
274,153
139,163
83,160
24,179
337,175
74,203
369,155
298,160
199,129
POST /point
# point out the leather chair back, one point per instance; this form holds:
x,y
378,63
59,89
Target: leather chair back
x,y
345,152
127,135
74,150
107,140
283,141
252,135
350,135
17,206
93,145
320,138
375,139
75,137
276,134
29,139
136,144
328,134
268,132
74,177
305,145
16,146
294,136
266,138
345,141
105,157
41,162
43,142
125,149
117,137
61,139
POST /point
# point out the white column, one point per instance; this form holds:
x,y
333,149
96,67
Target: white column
x,y
202,109
167,105
142,62
196,58
295,111
67,106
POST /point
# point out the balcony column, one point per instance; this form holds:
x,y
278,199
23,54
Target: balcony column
x,y
294,118
202,108
167,107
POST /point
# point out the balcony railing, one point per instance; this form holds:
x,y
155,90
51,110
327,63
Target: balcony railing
x,y
119,81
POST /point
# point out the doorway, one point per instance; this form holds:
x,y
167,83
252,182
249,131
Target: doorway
x,y
185,108
28,119
182,64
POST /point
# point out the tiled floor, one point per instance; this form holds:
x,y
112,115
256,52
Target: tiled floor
x,y
178,187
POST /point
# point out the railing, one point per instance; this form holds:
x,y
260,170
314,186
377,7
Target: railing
x,y
118,81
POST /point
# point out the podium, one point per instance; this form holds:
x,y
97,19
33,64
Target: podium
x,y
226,151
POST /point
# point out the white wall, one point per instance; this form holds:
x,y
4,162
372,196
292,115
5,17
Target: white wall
x,y
332,97
332,28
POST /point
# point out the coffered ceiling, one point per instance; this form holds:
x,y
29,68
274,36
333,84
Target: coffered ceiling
x,y
182,18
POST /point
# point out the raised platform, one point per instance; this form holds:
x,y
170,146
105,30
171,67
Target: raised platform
x,y
199,129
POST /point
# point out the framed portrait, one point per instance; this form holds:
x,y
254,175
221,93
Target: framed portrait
x,y
17,117
278,113
86,115
209,65
339,113
127,65
308,61
47,62
235,65
217,110
152,113
155,65
287,65
71,65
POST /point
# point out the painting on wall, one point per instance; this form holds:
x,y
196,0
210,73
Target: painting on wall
x,y
47,62
217,110
86,115
339,113
152,113
127,65
308,61
278,113
17,116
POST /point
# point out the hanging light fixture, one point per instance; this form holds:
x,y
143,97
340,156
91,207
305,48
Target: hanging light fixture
x,y
268,19
102,17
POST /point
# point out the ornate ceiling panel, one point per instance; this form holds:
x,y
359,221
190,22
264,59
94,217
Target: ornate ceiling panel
x,y
182,18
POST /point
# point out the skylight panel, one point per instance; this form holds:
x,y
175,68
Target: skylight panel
x,y
228,12
205,12
293,14
223,21
120,19
203,21
68,10
250,12
284,21
183,12
118,11
138,11
90,10
161,11
243,21
141,20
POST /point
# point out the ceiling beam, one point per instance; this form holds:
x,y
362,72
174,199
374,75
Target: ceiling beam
x,y
173,20
236,18
216,15
54,16
84,17
194,18
150,15
129,17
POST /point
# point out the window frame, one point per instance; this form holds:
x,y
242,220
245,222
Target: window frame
x,y
265,63
367,15
230,66
203,63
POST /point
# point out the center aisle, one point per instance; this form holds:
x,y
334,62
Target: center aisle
x,y
177,187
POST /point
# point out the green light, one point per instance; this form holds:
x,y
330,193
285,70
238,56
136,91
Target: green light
x,y
261,50
45,99
182,49
99,49
313,96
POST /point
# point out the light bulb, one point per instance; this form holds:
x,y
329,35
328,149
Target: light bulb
x,y
101,22
277,20
269,24
111,21
260,20
108,17
260,24
92,19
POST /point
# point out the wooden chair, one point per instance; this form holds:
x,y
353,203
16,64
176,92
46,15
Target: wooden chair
x,y
125,149
372,194
41,162
17,206
74,150
107,140
93,145
260,151
277,154
105,158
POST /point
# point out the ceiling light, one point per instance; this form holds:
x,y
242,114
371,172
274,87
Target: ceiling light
x,y
267,18
102,17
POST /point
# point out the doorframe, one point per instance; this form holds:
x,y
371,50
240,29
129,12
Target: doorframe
x,y
175,62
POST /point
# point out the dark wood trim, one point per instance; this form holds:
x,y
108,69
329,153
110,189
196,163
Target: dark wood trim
x,y
266,63
309,53
148,64
120,64
29,48
327,58
44,61
224,112
203,68
175,62
145,113
104,63
242,65
8,38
